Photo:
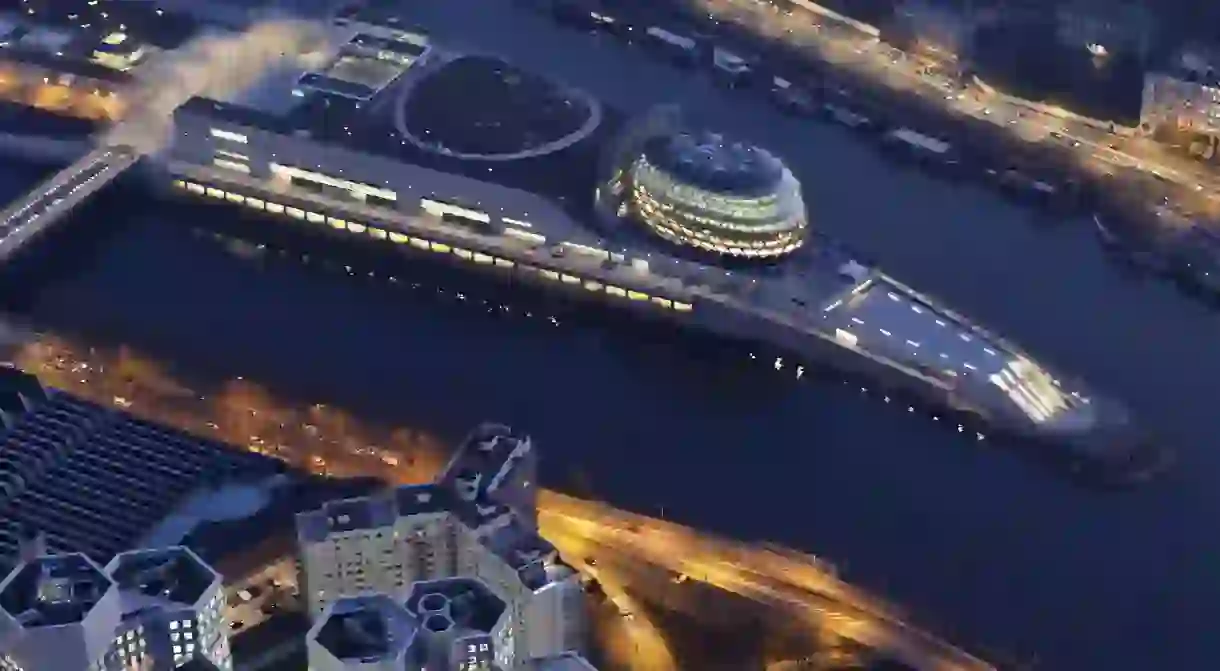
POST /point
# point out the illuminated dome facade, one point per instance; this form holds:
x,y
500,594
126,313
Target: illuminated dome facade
x,y
702,191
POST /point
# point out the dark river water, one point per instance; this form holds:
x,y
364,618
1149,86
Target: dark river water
x,y
983,546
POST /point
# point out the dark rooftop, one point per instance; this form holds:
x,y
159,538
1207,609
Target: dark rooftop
x,y
366,628
713,163
517,110
287,627
464,603
198,663
176,574
140,20
533,557
486,455
53,590
94,479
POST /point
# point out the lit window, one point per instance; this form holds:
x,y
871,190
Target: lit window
x,y
230,136
231,165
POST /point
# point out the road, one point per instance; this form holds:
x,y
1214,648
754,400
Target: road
x,y
581,529
863,55
803,588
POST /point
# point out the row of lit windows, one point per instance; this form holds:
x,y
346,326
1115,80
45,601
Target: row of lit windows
x,y
779,221
420,243
661,218
668,229
731,213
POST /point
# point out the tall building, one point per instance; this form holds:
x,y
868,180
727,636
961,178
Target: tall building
x,y
153,610
57,612
172,604
477,521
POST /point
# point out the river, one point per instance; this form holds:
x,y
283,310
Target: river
x,y
986,548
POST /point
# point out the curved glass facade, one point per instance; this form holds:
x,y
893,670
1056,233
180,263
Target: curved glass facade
x,y
727,199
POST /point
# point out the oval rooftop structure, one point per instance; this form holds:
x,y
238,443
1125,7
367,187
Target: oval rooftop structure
x,y
728,198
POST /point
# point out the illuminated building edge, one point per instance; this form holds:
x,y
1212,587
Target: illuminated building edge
x,y
592,285
681,214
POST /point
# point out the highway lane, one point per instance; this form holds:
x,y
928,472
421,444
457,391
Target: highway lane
x,y
745,571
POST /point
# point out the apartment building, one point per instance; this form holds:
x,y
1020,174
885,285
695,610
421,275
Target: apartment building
x,y
477,521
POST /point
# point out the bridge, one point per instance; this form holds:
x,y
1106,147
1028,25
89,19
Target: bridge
x,y
56,197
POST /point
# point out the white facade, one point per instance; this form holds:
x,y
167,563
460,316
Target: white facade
x,y
153,610
451,529
172,603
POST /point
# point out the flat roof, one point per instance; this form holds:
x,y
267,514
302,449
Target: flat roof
x,y
53,590
161,576
888,321
365,628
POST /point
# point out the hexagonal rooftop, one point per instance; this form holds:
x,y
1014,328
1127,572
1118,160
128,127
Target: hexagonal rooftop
x,y
462,604
365,628
170,576
53,590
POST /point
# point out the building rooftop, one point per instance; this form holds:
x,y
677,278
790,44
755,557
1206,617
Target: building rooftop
x,y
366,628
535,560
363,67
484,460
713,163
888,321
94,479
53,590
159,577
459,605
